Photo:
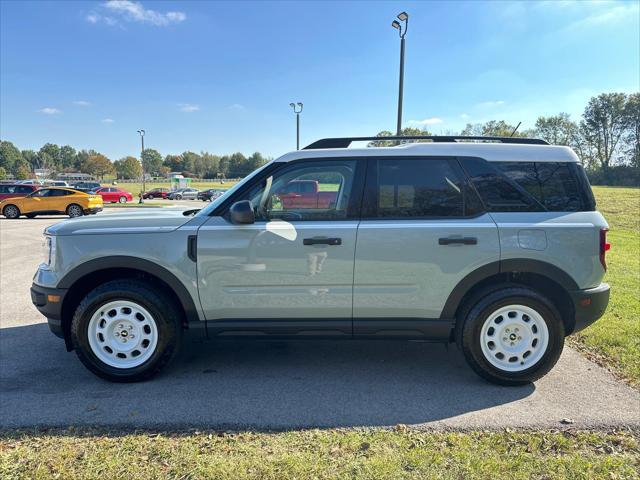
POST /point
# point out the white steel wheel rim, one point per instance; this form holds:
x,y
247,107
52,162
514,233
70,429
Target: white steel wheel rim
x,y
75,211
122,334
123,200
514,338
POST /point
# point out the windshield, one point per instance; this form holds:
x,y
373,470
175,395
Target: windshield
x,y
213,205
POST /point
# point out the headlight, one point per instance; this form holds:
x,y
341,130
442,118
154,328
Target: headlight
x,y
49,252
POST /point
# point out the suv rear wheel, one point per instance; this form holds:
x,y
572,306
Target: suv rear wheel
x,y
126,330
511,336
74,211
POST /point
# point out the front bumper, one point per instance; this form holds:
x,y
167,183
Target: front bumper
x,y
48,301
589,305
91,211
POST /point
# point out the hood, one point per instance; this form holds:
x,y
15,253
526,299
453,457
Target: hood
x,y
120,223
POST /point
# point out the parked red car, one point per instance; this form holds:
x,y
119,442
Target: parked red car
x,y
13,190
113,194
156,193
305,194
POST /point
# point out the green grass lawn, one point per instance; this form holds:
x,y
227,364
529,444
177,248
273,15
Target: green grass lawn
x,y
322,454
614,340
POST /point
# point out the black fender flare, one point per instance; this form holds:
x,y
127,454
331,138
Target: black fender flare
x,y
518,265
134,263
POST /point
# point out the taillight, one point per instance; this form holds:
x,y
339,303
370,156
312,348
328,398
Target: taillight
x,y
604,247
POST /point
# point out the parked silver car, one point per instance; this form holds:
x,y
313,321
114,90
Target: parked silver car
x,y
494,245
183,194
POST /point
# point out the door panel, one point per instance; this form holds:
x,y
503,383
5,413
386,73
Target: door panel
x,y
403,271
422,232
265,271
295,261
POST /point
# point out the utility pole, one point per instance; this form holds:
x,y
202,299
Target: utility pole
x,y
144,189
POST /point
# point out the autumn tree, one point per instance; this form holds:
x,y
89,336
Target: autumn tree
x,y
128,168
98,165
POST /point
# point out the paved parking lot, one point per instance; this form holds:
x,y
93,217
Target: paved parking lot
x,y
276,385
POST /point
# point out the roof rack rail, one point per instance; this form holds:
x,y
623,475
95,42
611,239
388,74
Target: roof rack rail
x,y
346,141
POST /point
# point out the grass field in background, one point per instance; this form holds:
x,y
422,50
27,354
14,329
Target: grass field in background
x,y
136,188
322,454
614,340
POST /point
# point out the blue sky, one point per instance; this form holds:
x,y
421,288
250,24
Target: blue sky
x,y
219,76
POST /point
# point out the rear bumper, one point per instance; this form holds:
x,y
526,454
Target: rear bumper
x,y
589,305
91,211
48,301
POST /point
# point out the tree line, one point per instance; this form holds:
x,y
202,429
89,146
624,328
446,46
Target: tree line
x,y
606,138
60,159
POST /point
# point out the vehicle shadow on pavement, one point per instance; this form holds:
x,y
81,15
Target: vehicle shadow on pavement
x,y
262,385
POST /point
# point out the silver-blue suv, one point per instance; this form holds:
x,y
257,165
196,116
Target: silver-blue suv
x,y
492,243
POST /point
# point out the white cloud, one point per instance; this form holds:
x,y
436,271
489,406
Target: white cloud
x,y
82,103
108,120
49,111
188,107
604,14
491,104
236,106
464,116
133,12
427,121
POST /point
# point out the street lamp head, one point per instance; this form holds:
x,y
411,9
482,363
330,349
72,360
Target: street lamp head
x,y
403,16
292,105
141,132
300,105
395,24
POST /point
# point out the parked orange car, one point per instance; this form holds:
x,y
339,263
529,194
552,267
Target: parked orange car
x,y
52,201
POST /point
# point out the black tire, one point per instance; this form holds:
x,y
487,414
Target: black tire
x,y
154,299
150,196
74,210
30,215
11,211
178,197
477,311
122,199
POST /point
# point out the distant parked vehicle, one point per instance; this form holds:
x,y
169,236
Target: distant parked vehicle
x,y
183,194
113,194
210,194
56,183
156,193
28,182
16,190
305,194
52,201
86,186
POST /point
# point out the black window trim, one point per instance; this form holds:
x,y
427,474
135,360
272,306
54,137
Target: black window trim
x,y
355,202
370,193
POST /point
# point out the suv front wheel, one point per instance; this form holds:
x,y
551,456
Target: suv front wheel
x,y
126,330
511,336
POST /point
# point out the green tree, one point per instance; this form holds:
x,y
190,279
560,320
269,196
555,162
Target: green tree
x,y
174,163
189,161
3,173
492,128
632,135
98,165
211,164
49,156
605,121
152,161
10,156
31,158
22,172
408,131
67,157
128,168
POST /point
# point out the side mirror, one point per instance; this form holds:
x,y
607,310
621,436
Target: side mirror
x,y
242,213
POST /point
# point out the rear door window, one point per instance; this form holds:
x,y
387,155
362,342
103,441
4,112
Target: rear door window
x,y
418,188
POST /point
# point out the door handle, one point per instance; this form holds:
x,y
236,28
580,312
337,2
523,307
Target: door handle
x,y
458,241
322,241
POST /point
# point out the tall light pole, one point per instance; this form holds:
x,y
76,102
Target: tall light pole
x,y
144,189
402,30
297,108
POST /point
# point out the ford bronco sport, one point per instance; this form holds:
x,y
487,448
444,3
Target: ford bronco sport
x,y
492,243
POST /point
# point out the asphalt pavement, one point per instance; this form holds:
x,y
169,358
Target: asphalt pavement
x,y
277,385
